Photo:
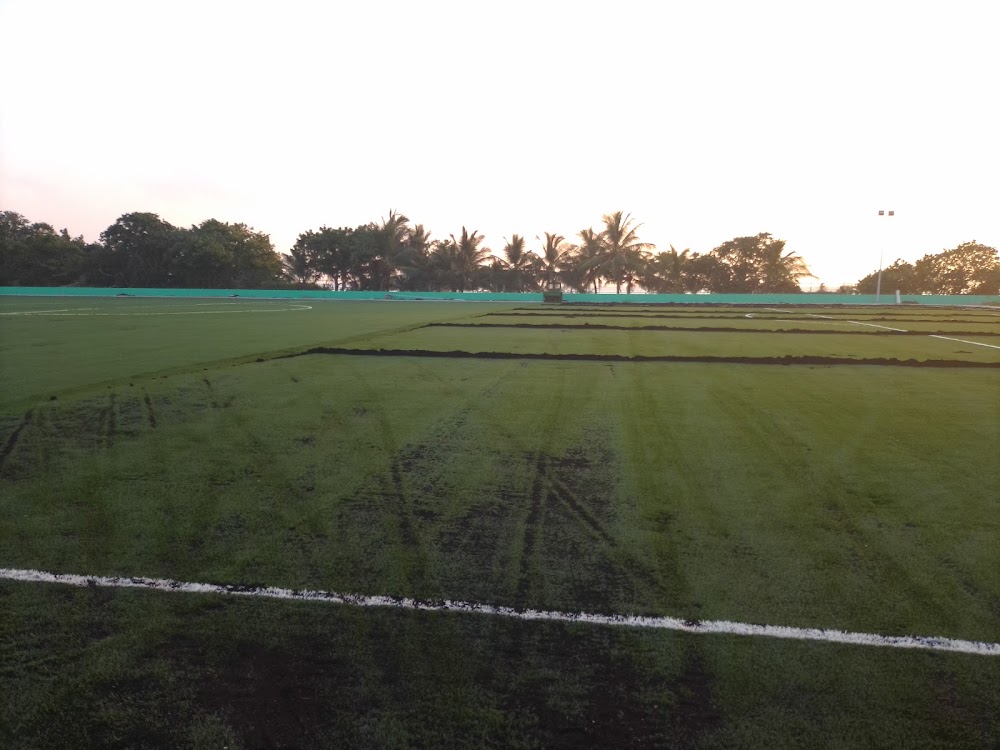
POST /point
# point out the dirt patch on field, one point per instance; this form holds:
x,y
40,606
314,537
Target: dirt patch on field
x,y
785,360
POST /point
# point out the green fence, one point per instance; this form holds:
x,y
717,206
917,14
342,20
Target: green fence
x,y
726,299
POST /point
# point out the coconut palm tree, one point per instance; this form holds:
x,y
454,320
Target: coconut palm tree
x,y
555,253
584,269
393,241
624,253
667,272
781,272
519,266
467,257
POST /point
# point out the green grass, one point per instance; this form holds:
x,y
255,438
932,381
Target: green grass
x,y
860,498
683,344
742,322
105,341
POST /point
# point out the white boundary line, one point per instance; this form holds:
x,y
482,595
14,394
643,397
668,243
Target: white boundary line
x,y
65,314
927,643
44,312
900,330
963,341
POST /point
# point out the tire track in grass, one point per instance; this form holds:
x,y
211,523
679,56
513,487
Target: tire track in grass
x,y
11,443
532,530
623,566
150,412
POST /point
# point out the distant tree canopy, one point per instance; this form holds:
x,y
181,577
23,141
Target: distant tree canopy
x,y
970,268
139,250
143,250
37,255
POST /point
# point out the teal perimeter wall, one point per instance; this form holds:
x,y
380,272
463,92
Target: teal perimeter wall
x,y
728,299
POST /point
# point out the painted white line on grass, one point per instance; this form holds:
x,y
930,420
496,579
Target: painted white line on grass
x,y
963,341
872,325
53,314
927,643
45,312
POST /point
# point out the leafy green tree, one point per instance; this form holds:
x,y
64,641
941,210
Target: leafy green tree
x,y
970,268
219,255
298,266
706,273
900,275
138,252
330,253
37,255
759,264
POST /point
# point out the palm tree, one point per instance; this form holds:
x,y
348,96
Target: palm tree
x,y
555,252
584,267
519,265
416,265
467,257
623,251
668,272
394,236
781,272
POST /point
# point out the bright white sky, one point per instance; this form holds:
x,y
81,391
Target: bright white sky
x,y
705,120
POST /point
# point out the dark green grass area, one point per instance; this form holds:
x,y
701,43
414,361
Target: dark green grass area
x,y
860,498
95,668
683,344
52,345
743,323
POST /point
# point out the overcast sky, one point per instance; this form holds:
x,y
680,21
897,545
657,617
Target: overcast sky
x,y
705,120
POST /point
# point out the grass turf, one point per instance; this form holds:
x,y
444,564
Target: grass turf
x,y
859,498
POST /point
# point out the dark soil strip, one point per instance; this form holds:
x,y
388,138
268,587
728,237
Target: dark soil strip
x,y
12,440
731,316
149,411
703,329
842,308
786,360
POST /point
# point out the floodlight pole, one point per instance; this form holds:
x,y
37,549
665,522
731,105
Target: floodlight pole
x,y
881,252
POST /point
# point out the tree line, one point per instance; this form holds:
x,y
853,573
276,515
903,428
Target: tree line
x,y
142,250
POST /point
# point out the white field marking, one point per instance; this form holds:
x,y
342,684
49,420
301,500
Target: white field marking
x,y
44,312
887,328
927,643
963,341
840,320
293,308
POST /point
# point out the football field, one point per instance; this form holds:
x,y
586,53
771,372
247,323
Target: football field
x,y
284,523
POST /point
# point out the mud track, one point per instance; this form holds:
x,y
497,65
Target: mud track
x,y
730,316
786,360
704,329
11,443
